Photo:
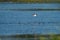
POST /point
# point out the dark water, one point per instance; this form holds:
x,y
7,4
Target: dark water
x,y
23,22
18,39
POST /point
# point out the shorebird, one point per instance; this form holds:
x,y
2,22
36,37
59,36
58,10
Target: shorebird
x,y
34,15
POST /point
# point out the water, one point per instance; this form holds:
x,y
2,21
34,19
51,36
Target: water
x,y
28,6
23,22
18,39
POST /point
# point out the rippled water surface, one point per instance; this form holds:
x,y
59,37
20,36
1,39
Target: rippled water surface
x,y
23,22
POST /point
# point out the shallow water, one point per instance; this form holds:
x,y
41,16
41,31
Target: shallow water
x,y
18,39
23,22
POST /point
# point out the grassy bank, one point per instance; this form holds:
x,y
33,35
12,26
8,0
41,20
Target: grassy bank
x,y
32,1
38,37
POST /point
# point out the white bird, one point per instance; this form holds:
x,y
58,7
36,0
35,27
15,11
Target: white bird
x,y
34,15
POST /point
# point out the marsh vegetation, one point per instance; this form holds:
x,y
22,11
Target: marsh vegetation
x,y
32,1
32,37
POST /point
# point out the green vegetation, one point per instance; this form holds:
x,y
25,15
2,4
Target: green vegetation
x,y
50,37
32,1
38,37
41,37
